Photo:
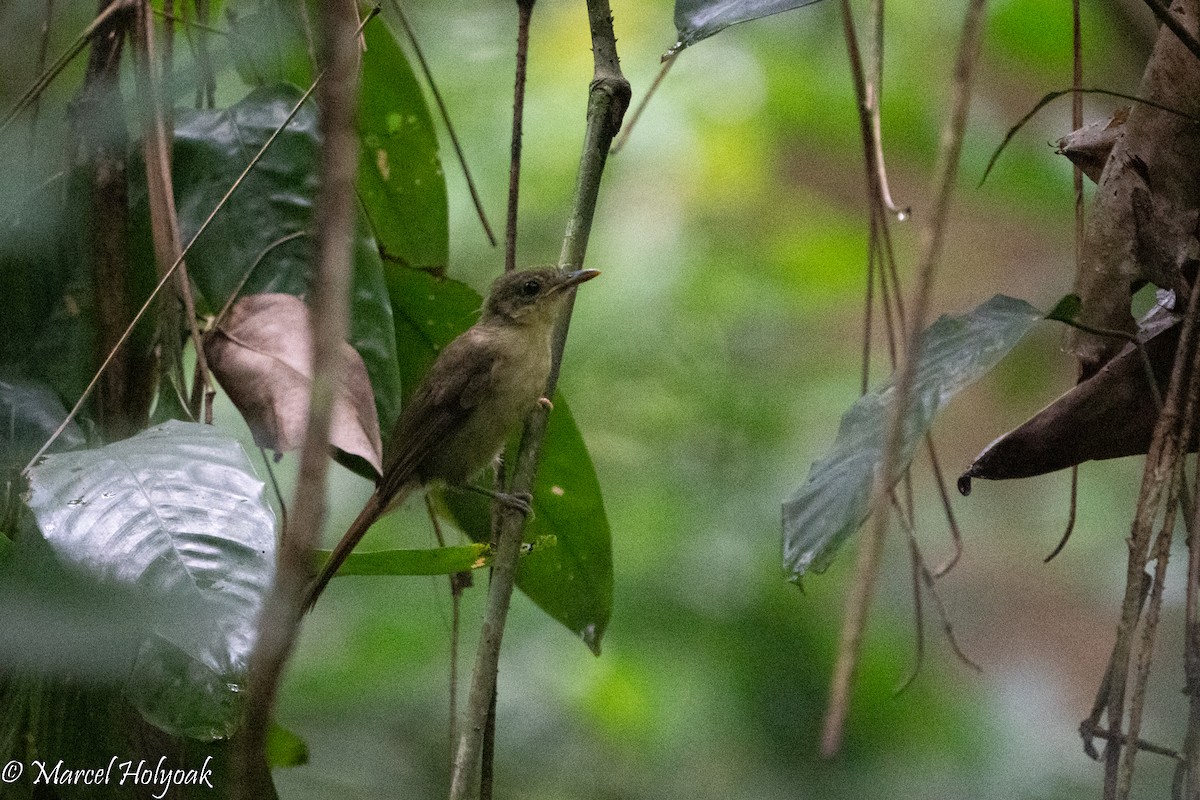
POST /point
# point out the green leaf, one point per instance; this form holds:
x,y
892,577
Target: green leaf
x,y
834,502
178,512
432,561
572,582
400,180
429,311
261,236
284,748
698,19
1067,309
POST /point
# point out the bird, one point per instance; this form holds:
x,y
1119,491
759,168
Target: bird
x,y
480,387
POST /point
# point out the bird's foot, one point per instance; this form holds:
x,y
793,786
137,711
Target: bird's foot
x,y
519,501
545,403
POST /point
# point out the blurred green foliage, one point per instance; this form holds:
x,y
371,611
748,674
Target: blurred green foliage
x,y
707,370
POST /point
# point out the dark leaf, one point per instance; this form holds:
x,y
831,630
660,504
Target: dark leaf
x,y
699,19
400,180
260,240
834,502
262,355
29,413
1109,415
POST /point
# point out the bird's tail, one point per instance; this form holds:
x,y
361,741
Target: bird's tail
x,y
375,508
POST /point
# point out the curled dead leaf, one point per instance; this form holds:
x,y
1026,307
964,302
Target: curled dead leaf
x,y
261,353
1109,415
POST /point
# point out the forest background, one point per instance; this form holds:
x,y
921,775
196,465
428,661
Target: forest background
x,y
707,369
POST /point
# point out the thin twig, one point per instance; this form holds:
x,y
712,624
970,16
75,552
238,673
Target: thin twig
x,y
668,61
164,221
455,597
955,534
933,234
441,104
1052,96
1070,516
524,13
1171,21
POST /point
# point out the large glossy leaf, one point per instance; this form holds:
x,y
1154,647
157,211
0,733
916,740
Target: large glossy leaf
x,y
260,240
400,180
175,511
833,502
699,19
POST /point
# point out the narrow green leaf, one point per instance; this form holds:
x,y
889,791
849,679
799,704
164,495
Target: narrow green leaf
x,y
698,19
177,512
400,180
834,501
432,561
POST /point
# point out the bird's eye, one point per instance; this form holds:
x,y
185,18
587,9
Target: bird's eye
x,y
530,288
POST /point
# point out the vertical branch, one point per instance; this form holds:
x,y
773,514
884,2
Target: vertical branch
x,y
1159,473
279,622
932,236
524,13
123,395
164,222
607,100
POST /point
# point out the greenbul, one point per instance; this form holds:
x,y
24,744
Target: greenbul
x,y
482,385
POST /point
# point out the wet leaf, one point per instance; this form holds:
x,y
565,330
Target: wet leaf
x,y
176,512
834,501
262,355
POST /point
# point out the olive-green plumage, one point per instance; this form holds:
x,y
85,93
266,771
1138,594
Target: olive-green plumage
x,y
481,387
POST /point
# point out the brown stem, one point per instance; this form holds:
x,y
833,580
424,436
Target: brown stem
x,y
524,13
334,225
933,233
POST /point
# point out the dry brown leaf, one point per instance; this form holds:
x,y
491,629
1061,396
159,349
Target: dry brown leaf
x,y
262,356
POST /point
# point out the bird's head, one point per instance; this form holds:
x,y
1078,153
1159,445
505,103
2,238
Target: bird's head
x,y
532,294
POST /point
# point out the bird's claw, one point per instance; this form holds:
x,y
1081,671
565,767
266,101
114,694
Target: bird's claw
x,y
545,403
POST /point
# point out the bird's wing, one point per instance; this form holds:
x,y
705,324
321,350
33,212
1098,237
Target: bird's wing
x,y
456,383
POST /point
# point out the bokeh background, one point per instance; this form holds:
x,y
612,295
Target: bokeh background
x,y
708,368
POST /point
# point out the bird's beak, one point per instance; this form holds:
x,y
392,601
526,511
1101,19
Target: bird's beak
x,y
579,276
